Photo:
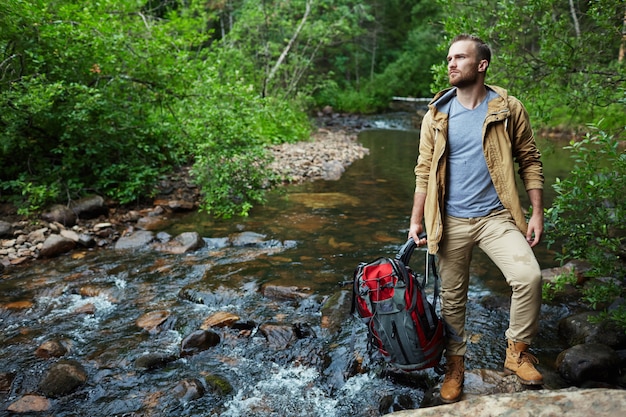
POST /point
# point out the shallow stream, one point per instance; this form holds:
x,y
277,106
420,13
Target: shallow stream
x,y
313,235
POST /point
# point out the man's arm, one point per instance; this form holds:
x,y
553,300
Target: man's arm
x,y
535,224
417,216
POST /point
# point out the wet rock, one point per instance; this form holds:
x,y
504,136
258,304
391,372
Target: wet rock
x,y
219,319
83,239
189,390
180,205
277,292
6,380
391,403
60,214
6,229
151,361
246,239
52,349
582,328
304,330
335,310
90,207
63,378
29,404
217,242
588,362
198,341
55,245
137,240
153,222
278,336
218,384
332,170
150,321
183,243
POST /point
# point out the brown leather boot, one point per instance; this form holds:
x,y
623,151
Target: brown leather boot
x,y
521,363
452,386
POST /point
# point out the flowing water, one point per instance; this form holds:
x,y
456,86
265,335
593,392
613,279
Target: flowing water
x,y
314,235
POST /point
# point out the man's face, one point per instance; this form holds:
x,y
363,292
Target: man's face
x,y
463,64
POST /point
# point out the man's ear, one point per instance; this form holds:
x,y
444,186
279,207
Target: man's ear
x,y
483,65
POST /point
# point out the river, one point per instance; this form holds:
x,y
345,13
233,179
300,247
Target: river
x,y
311,236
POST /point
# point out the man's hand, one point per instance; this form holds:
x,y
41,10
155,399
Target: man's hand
x,y
535,224
415,230
535,230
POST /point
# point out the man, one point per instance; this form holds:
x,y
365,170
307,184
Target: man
x,y
467,196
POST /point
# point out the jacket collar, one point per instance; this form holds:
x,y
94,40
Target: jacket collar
x,y
440,104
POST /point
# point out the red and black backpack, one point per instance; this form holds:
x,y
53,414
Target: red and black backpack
x,y
402,324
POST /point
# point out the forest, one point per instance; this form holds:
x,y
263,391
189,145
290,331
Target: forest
x,y
107,97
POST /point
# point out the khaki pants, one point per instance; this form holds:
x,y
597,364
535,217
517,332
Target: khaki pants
x,y
497,236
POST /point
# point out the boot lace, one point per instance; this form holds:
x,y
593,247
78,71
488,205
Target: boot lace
x,y
529,358
454,371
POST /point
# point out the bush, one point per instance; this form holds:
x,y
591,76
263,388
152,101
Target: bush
x,y
587,218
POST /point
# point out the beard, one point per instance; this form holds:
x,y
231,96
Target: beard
x,y
463,79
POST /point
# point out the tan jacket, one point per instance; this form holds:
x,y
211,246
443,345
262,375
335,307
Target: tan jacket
x,y
507,137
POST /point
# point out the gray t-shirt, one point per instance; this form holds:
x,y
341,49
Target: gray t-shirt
x,y
470,191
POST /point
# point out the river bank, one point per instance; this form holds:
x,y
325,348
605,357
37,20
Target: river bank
x,y
94,223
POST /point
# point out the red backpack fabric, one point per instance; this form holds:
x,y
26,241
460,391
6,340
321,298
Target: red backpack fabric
x,y
403,326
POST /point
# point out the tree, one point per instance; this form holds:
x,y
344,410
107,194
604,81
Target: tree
x,y
561,57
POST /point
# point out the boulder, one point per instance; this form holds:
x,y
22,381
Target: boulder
x,y
588,362
55,245
6,229
137,240
570,402
60,214
89,207
63,378
198,341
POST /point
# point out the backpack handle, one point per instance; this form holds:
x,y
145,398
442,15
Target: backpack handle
x,y
404,255
406,251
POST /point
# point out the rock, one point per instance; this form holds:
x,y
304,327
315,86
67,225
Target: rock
x,y
189,390
89,207
571,402
336,310
6,229
63,378
137,240
150,321
276,292
55,245
588,362
278,336
151,361
60,214
6,380
579,328
218,384
219,319
153,222
246,239
332,170
29,403
198,341
52,349
183,243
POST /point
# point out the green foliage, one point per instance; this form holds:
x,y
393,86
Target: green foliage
x,y
588,215
550,289
554,55
105,97
232,184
